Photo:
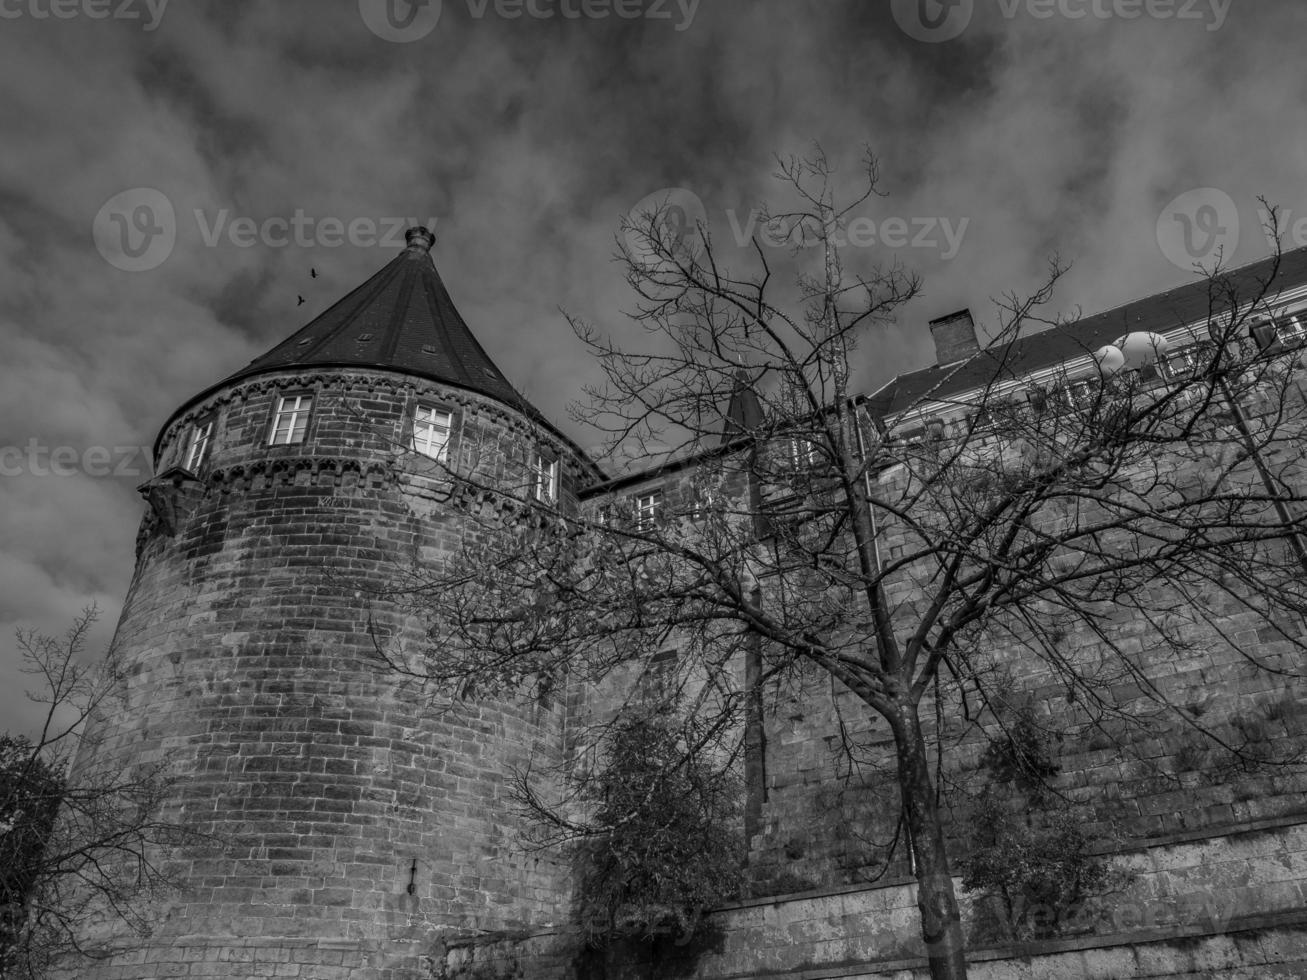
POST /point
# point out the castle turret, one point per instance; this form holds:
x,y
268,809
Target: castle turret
x,y
353,823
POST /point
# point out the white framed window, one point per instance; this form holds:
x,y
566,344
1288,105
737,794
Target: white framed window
x,y
648,507
199,444
1182,364
431,428
544,478
1082,394
800,453
1291,328
292,420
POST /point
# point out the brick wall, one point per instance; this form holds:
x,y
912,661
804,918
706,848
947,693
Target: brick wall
x,y
326,782
831,802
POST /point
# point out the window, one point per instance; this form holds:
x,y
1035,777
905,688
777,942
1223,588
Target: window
x,y
1182,364
1082,394
656,680
705,503
199,444
996,413
647,509
932,430
431,427
292,420
544,478
984,419
1291,329
800,453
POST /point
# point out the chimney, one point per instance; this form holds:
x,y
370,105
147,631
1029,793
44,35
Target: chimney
x,y
955,337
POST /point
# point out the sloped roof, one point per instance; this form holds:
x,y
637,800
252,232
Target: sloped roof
x,y
744,413
1157,314
401,319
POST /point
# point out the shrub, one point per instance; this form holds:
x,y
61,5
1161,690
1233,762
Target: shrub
x,y
30,793
1038,876
667,843
1028,859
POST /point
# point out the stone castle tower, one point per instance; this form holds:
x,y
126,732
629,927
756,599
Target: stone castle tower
x,y
352,820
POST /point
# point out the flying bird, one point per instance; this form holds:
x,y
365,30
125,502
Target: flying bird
x,y
301,302
313,273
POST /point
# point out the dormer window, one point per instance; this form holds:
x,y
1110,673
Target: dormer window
x,y
292,420
544,478
431,428
1291,329
648,508
1182,364
199,444
1082,394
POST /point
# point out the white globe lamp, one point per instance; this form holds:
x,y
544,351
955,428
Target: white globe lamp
x,y
1110,360
1142,348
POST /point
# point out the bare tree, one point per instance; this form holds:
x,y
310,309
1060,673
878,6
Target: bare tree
x,y
819,535
83,840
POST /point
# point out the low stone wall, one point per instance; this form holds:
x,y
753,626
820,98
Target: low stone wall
x,y
1232,906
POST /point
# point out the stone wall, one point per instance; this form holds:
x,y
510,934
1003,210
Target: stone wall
x,y
328,785
831,801
1228,907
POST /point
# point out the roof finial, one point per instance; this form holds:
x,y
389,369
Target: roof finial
x,y
419,239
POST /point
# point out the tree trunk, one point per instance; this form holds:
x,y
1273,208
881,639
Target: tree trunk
x,y
941,923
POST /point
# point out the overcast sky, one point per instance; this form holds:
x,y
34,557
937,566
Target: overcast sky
x,y
526,130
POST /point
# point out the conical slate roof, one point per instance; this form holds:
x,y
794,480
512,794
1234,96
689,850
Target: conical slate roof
x,y
744,413
402,319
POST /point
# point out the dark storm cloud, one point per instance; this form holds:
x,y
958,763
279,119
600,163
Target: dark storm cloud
x,y
528,139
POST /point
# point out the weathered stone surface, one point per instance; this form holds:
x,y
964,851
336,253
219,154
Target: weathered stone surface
x,y
252,669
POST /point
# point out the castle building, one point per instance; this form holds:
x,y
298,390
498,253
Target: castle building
x,y
351,818
355,823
